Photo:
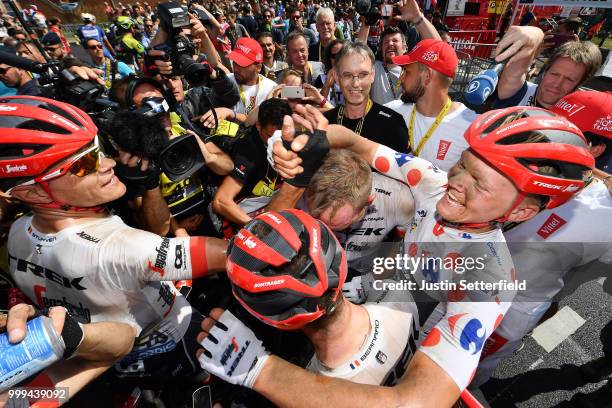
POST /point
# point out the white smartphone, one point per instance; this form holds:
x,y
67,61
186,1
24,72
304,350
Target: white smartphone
x,y
292,92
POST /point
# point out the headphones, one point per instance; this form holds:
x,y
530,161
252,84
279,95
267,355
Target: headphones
x,y
133,83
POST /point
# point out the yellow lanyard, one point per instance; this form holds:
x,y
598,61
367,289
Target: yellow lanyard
x,y
360,124
432,129
108,81
249,108
176,129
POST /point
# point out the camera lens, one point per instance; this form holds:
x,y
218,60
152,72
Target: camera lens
x,y
181,158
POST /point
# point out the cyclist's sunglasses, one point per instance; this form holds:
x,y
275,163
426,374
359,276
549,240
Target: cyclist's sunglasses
x,y
82,164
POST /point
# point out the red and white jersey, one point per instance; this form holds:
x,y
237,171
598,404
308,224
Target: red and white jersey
x,y
547,246
103,270
386,351
447,142
470,316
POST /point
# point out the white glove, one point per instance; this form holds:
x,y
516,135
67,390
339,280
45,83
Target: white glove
x,y
354,291
232,352
276,137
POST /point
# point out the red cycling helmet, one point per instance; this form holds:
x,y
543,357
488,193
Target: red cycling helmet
x,y
523,143
37,134
286,268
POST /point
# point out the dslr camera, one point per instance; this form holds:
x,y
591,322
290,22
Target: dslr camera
x,y
179,48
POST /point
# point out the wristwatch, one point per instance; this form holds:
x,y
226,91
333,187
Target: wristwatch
x,y
418,21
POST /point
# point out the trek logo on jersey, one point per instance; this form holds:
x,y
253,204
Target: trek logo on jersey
x,y
382,191
160,259
443,148
45,273
88,237
367,231
78,311
552,223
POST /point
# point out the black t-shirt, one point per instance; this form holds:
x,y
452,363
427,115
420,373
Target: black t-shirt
x,y
251,167
381,125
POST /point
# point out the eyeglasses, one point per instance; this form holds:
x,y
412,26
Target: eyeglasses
x,y
95,47
48,48
82,164
4,70
348,77
148,26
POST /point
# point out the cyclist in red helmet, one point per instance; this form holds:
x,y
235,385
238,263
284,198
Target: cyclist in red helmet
x,y
520,160
287,269
71,252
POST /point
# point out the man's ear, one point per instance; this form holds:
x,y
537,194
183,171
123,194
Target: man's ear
x,y
526,210
597,150
33,194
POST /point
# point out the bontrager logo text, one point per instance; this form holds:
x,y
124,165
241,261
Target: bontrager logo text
x,y
269,283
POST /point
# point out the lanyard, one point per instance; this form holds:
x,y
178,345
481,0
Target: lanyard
x,y
249,108
432,129
397,86
108,80
360,124
319,51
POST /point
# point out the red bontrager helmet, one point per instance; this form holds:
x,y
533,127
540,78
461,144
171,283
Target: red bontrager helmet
x,y
37,135
286,268
524,143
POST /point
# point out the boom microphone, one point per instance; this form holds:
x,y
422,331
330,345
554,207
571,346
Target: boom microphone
x,y
24,63
483,85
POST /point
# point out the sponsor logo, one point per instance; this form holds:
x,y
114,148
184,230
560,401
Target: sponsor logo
x,y
315,241
381,191
443,148
570,108
167,296
75,310
8,169
351,246
422,213
367,231
381,357
235,344
231,349
269,283
373,342
546,185
88,237
160,259
7,108
511,126
430,56
45,273
373,219
401,158
552,223
241,169
40,238
273,218
371,210
250,243
385,114
243,48
474,85
571,188
64,121
178,256
469,339
604,124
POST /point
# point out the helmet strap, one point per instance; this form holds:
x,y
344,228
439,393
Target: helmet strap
x,y
58,205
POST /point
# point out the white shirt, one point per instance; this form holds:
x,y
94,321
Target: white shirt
x,y
547,246
467,317
386,351
384,89
253,95
447,142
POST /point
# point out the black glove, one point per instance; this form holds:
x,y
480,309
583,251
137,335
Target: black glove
x,y
312,155
133,176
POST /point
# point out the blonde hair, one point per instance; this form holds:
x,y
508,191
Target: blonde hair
x,y
343,178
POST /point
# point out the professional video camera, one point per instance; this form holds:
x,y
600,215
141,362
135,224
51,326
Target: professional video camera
x,y
179,48
56,83
369,9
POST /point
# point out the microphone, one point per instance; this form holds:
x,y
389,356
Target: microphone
x,y
24,63
483,85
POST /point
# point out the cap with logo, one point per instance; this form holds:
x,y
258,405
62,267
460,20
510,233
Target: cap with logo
x,y
246,52
591,111
436,54
51,38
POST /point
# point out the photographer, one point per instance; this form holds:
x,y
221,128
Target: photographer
x,y
141,136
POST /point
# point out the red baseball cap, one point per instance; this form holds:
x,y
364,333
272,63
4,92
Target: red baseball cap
x,y
246,52
591,111
436,54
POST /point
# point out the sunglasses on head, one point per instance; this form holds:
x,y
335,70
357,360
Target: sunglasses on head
x,y
94,47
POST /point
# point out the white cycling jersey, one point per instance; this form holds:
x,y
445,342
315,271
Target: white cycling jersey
x,y
393,206
386,351
103,270
470,314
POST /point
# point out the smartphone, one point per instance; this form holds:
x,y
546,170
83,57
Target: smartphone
x,y
292,92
